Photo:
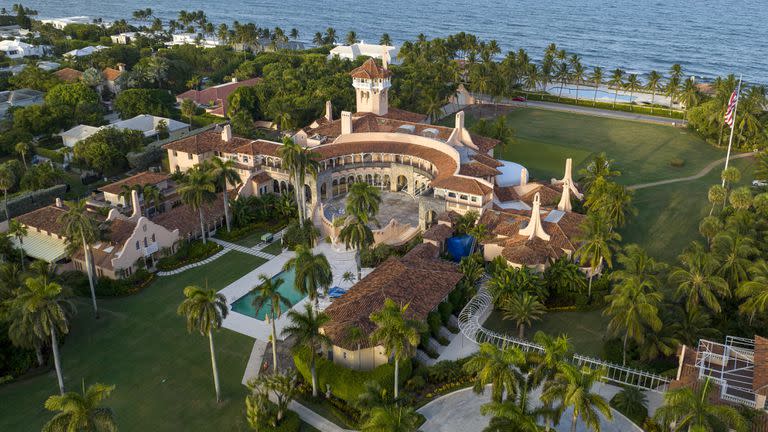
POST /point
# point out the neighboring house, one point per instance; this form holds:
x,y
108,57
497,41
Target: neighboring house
x,y
13,31
61,23
420,279
195,39
351,52
43,65
267,45
145,123
19,98
83,52
69,75
16,49
214,99
111,194
126,38
111,76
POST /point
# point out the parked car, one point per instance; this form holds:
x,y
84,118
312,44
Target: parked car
x,y
519,99
759,183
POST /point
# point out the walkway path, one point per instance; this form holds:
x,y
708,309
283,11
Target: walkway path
x,y
704,171
193,265
244,249
460,411
585,110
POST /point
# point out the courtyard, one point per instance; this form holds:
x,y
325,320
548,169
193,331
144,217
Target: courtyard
x,y
394,205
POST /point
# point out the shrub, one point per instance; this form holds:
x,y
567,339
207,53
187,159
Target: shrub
x,y
106,287
434,322
445,309
295,235
290,423
188,254
677,162
446,371
244,231
416,383
346,383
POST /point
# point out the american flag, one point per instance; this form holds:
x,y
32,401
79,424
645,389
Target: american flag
x,y
731,111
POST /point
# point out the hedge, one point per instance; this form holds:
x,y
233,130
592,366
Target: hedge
x,y
188,254
106,287
347,384
30,201
53,155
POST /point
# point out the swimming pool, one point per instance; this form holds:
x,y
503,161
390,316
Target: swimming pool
x,y
589,94
244,305
459,246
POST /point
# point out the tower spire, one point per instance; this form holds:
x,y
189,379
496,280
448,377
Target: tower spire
x,y
535,228
568,175
565,198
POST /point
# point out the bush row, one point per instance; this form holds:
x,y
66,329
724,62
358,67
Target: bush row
x,y
106,287
345,383
187,254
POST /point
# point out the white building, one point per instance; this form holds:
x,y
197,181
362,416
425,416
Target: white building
x,y
47,66
16,49
127,37
145,123
19,98
83,52
351,52
195,39
60,23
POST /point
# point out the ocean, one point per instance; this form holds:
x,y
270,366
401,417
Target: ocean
x,y
707,37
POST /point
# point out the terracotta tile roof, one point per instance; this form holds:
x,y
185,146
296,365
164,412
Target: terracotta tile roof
x,y
522,251
368,122
258,147
506,193
140,179
420,283
187,220
261,177
485,144
438,232
217,94
550,194
477,169
449,216
487,160
45,219
111,74
68,74
370,70
463,184
393,114
422,251
204,142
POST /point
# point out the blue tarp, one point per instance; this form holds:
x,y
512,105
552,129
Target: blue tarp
x,y
459,247
336,292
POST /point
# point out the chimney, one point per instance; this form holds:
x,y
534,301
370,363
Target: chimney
x,y
135,205
121,67
568,176
58,202
565,198
534,228
226,133
459,121
328,111
384,58
523,176
346,122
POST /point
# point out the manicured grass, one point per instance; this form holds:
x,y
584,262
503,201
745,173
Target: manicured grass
x,y
585,329
162,374
642,151
669,215
251,239
274,248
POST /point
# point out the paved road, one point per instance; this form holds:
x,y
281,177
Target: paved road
x,y
585,110
704,171
460,411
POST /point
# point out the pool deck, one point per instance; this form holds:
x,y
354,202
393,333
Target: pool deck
x,y
341,261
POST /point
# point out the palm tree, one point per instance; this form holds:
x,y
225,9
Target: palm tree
x,y
632,402
363,201
715,195
356,234
80,229
562,74
633,85
268,295
572,387
317,39
599,168
671,90
392,418
633,306
597,243
205,311
654,79
597,79
198,189
385,39
578,75
7,181
224,173
330,36
351,38
41,304
523,308
690,95
18,230
305,329
690,409
697,280
81,412
188,109
611,200
22,149
676,71
509,416
734,252
397,334
313,271
754,291
497,367
692,325
299,161
617,81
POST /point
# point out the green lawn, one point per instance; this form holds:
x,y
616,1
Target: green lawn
x,y
669,215
274,248
251,239
585,329
162,374
642,151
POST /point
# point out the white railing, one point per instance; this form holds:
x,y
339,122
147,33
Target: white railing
x,y
480,306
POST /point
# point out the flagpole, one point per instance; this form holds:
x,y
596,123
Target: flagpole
x,y
733,127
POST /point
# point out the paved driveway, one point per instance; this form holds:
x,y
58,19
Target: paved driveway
x,y
460,411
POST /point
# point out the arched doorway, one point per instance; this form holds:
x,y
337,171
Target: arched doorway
x,y
430,218
283,187
275,186
402,183
308,193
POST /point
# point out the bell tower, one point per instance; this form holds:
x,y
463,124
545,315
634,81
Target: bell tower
x,y
371,83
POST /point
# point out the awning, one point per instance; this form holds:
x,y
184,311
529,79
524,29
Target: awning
x,y
43,247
